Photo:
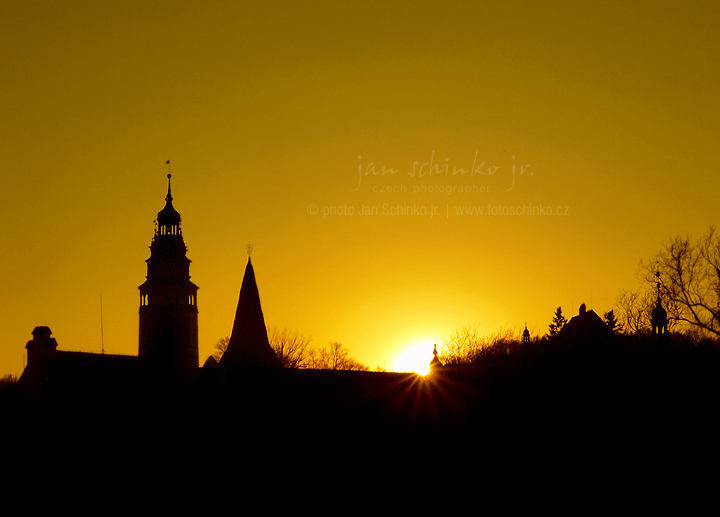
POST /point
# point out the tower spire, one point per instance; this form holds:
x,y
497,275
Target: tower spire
x,y
168,198
435,361
249,345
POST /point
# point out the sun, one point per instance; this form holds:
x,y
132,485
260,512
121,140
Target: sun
x,y
416,358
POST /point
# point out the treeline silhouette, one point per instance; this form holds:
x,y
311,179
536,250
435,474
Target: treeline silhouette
x,y
655,387
294,351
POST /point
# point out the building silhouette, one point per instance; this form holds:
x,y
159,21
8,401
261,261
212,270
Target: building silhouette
x,y
65,381
249,345
435,362
248,396
586,326
659,317
168,300
167,365
526,336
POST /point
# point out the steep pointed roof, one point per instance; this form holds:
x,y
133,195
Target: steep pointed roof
x,y
249,345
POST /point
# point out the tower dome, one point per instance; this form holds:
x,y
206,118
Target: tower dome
x,y
168,218
659,318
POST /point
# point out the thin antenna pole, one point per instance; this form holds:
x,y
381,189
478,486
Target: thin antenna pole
x,y
102,334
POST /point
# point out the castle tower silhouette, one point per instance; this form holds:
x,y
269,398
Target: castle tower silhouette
x,y
168,300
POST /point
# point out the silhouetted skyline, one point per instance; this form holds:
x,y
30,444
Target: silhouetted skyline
x,y
401,170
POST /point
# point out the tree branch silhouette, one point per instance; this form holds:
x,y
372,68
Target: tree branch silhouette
x,y
688,274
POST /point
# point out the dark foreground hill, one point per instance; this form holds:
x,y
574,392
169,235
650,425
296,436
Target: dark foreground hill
x,y
554,398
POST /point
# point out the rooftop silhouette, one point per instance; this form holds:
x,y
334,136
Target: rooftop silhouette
x,y
249,345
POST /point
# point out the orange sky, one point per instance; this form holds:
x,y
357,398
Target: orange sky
x,y
269,110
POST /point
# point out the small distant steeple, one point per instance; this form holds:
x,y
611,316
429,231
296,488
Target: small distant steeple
x,y
525,335
658,316
435,362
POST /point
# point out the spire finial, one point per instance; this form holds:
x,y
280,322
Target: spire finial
x,y
249,249
169,196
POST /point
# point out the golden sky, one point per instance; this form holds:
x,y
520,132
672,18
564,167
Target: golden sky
x,y
600,118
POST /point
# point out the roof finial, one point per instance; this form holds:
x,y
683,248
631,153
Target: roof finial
x,y
169,196
249,249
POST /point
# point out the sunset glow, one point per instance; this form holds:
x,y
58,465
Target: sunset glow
x,y
415,358
400,169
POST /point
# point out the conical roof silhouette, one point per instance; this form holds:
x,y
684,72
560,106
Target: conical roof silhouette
x,y
249,345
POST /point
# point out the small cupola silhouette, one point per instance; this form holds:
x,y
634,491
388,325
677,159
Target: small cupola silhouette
x,y
525,335
435,362
658,316
41,345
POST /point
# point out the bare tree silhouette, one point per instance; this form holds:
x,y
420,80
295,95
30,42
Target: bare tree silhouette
x,y
462,346
634,308
334,357
294,351
467,345
291,347
686,277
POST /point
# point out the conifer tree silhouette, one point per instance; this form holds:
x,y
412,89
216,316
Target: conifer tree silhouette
x,y
558,323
